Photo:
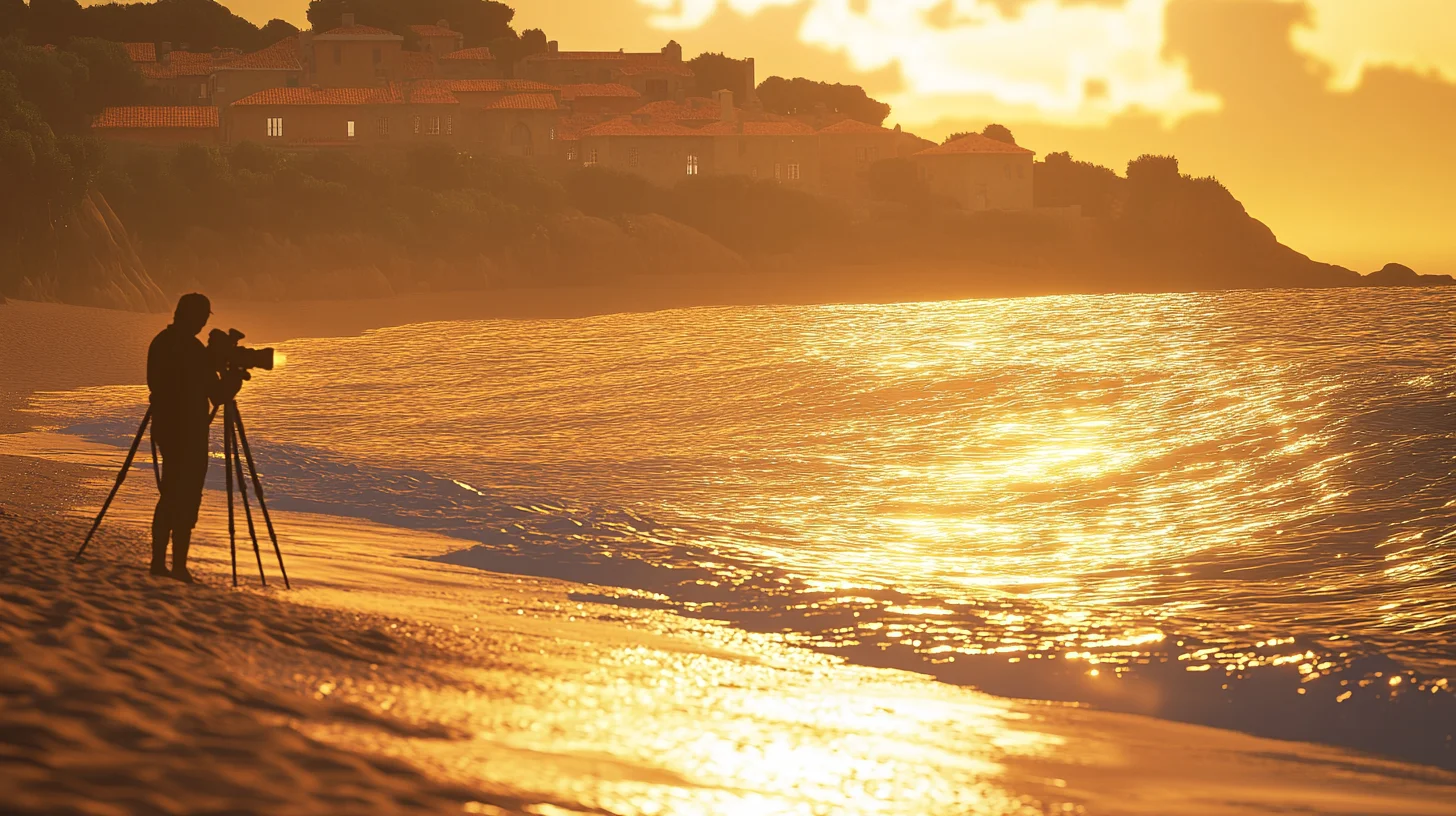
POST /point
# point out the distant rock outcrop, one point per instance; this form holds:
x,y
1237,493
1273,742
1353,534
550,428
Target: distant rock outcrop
x,y
1401,275
94,263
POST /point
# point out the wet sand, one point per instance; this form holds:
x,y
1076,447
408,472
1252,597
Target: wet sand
x,y
385,683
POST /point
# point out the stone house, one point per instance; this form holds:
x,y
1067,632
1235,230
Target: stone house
x,y
470,63
278,66
181,77
438,40
393,115
601,100
158,125
848,148
979,173
654,75
354,56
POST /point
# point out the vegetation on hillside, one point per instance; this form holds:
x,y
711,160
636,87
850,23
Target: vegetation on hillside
x,y
199,25
800,96
481,21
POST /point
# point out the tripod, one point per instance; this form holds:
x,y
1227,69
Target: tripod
x,y
235,450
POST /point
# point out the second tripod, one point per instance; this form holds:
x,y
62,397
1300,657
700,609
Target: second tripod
x,y
235,449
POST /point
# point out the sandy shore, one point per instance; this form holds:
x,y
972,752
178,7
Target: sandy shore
x,y
384,683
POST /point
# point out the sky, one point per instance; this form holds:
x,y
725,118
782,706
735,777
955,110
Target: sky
x,y
1334,121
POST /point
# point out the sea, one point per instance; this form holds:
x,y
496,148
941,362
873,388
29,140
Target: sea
x,y
1233,509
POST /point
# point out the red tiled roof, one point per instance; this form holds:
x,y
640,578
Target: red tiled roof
x,y
149,116
357,32
570,128
973,143
280,56
603,90
779,128
141,52
524,101
494,86
854,126
625,126
419,65
482,54
178,64
694,109
433,31
428,93
324,96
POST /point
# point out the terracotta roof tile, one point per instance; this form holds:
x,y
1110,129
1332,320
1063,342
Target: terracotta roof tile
x,y
753,128
324,96
153,116
433,31
524,101
570,128
481,54
598,91
419,65
428,93
141,52
357,32
973,143
625,126
178,64
494,86
280,56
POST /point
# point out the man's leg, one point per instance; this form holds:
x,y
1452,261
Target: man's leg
x,y
160,531
191,478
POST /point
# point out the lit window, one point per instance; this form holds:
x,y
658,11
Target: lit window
x,y
384,126
351,128
571,153
634,158
449,125
433,126
275,126
553,134
417,125
692,164
794,172
591,157
778,171
202,91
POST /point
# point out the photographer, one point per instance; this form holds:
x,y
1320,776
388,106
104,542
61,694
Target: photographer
x,y
185,385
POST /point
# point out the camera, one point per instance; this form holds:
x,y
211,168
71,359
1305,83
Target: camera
x,y
228,356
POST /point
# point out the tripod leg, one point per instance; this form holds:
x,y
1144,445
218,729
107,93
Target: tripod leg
x,y
258,491
120,477
247,509
227,467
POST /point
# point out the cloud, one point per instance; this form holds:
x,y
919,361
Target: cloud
x,y
1070,62
1353,35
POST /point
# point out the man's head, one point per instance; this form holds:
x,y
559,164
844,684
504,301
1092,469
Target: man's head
x,y
192,313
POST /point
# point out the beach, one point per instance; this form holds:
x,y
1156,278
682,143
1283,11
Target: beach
x,y
385,682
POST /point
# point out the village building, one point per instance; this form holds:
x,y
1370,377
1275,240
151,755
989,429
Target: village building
x,y
278,66
848,148
654,75
178,77
470,63
438,40
600,100
158,125
345,117
355,56
979,173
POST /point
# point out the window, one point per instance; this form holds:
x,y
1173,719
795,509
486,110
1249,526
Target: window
x,y
338,54
378,56
692,164
591,157
275,126
202,91
417,125
794,171
778,171
634,157
351,128
432,127
553,134
754,172
571,153
449,126
383,125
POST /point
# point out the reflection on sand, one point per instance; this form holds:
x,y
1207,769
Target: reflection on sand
x,y
510,686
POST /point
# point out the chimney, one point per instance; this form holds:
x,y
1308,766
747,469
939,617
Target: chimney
x,y
164,53
348,21
442,23
553,47
725,105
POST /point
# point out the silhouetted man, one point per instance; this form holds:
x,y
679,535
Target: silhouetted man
x,y
185,386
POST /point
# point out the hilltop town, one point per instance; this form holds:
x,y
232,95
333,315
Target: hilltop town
x,y
358,87
372,157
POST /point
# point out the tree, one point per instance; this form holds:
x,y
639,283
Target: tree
x,y
607,193
481,21
1061,181
274,31
199,25
718,72
510,49
112,78
1000,133
14,15
799,96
